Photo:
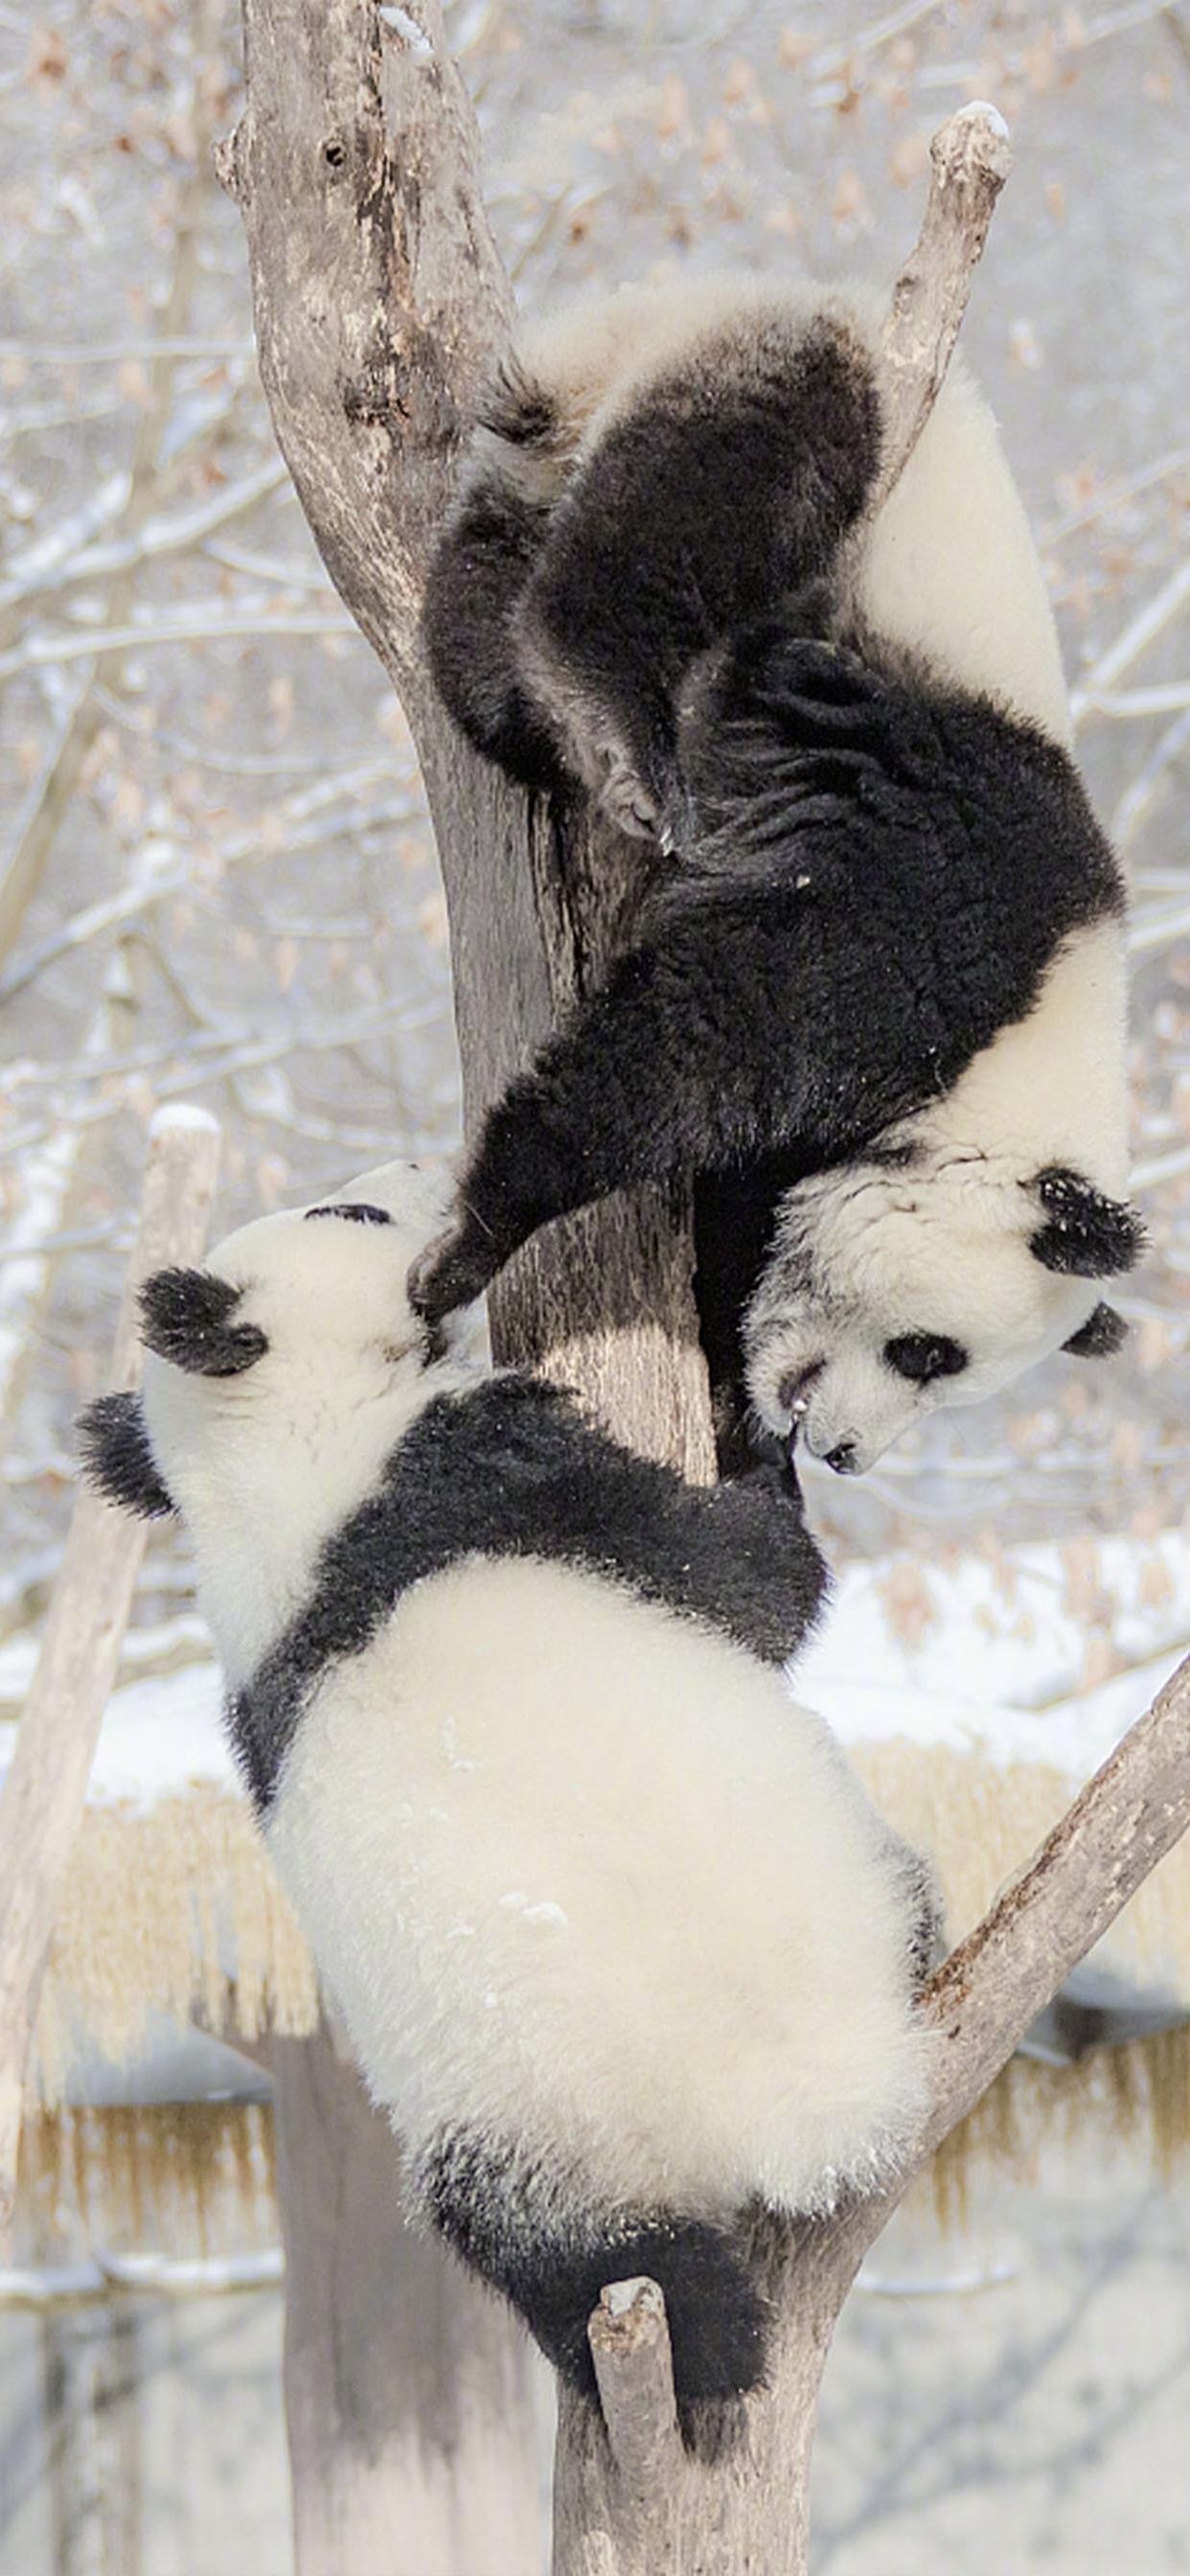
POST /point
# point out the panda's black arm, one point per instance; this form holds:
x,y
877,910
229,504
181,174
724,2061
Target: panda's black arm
x,y
481,566
734,1220
760,1575
690,1057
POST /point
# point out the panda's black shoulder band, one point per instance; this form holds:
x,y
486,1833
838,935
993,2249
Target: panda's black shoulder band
x,y
511,1469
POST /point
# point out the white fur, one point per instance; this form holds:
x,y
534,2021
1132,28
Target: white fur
x,y
581,1876
863,1253
948,567
578,1873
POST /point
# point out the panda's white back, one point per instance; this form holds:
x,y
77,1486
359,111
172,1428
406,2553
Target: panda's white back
x,y
946,569
579,1873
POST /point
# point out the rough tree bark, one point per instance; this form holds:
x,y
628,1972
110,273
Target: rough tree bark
x,y
379,304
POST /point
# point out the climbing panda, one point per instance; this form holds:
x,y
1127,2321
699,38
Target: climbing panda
x,y
623,1948
874,994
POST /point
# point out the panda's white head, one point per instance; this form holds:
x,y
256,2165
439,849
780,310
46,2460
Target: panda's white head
x,y
924,1276
278,1377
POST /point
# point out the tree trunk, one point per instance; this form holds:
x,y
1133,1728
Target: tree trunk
x,y
379,303
749,2514
405,2391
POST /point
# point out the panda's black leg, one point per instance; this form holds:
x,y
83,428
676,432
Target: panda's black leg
x,y
484,2201
927,1939
734,1215
483,561
602,1109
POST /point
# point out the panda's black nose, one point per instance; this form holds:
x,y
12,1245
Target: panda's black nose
x,y
842,1459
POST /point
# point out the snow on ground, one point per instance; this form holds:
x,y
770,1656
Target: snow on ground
x,y
994,1654
984,1654
159,1738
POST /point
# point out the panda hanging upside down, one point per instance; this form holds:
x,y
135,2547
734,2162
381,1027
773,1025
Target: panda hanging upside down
x,y
623,1948
875,1004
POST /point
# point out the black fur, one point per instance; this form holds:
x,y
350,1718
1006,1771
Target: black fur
x,y
922,1357
734,1216
1086,1235
512,1469
117,1459
186,1317
718,495
876,879
480,572
876,872
502,2221
1103,1334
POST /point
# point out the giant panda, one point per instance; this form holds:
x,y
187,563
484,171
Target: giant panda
x,y
623,1948
874,993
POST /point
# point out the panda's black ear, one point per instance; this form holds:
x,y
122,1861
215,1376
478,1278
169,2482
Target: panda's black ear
x,y
1103,1334
187,1317
117,1459
1085,1234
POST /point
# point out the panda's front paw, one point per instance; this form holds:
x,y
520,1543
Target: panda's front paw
x,y
452,1271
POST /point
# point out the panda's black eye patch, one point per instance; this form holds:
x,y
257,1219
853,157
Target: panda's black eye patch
x,y
921,1357
357,1212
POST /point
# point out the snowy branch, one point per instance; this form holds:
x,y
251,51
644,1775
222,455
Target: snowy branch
x,y
42,1802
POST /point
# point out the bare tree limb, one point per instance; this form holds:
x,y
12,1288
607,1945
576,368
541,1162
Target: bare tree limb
x,y
1130,1814
25,862
970,159
629,2339
42,1802
1096,692
983,1998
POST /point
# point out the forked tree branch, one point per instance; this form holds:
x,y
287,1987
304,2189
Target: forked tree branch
x,y
379,303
